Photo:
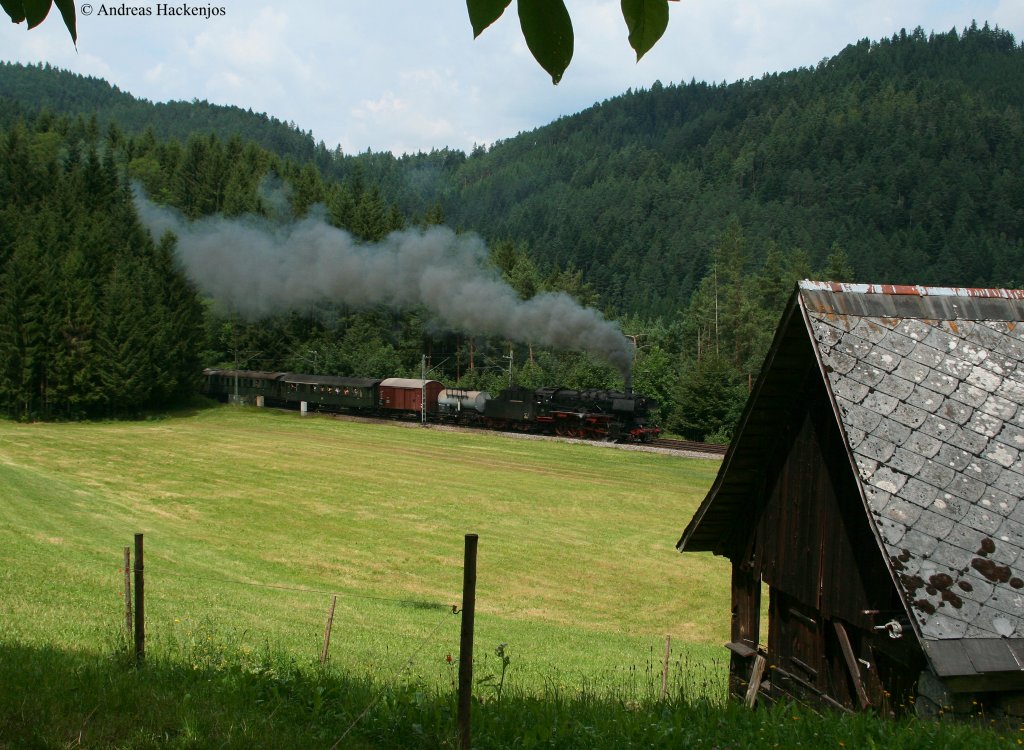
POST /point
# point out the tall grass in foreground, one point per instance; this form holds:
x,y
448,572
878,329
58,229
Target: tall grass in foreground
x,y
264,699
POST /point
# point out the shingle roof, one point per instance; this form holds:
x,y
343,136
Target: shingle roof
x,y
929,389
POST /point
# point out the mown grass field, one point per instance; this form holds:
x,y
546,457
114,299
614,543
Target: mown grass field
x,y
577,570
254,518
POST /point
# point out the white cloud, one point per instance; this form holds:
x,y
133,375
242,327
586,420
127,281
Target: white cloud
x,y
409,76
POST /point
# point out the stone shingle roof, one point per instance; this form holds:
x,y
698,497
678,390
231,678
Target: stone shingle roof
x,y
929,389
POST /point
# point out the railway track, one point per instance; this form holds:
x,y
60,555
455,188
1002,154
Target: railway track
x,y
688,445
691,446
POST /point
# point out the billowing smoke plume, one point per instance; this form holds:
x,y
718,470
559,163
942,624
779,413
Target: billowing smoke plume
x,y
258,269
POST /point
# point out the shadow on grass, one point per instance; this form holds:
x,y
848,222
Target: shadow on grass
x,y
60,698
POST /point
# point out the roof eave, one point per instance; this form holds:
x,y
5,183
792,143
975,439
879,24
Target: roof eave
x,y
686,541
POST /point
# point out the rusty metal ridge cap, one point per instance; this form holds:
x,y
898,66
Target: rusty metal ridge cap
x,y
909,289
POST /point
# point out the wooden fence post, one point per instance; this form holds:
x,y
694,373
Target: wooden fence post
x,y
466,641
664,667
128,590
327,631
140,605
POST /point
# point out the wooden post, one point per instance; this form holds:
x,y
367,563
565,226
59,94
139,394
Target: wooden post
x,y
327,631
140,605
128,590
756,673
746,624
466,641
851,664
664,667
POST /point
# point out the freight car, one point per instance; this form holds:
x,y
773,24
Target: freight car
x,y
591,414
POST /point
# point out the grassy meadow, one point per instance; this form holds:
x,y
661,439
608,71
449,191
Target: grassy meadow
x,y
253,519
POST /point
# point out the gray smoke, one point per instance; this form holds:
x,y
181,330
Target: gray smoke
x,y
257,269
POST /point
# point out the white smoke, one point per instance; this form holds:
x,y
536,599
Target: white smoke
x,y
258,269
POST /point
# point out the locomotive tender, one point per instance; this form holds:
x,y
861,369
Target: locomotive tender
x,y
591,414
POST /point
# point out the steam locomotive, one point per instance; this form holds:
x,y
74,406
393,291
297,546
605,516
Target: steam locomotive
x,y
590,414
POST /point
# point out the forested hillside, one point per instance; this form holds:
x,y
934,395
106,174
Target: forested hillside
x,y
95,318
907,153
25,91
686,212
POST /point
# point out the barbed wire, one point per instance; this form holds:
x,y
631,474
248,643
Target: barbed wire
x,y
307,590
408,663
152,568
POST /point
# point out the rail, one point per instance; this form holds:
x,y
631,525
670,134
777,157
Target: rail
x,y
688,445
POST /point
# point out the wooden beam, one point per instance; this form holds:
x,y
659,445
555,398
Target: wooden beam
x,y
851,664
780,672
741,649
756,673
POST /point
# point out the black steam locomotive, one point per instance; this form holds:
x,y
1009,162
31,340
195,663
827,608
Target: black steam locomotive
x,y
590,414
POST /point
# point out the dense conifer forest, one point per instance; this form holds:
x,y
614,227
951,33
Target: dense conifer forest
x,y
686,212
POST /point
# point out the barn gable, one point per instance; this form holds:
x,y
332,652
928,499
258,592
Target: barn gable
x,y
906,403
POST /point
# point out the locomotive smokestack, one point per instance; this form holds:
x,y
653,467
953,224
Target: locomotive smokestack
x,y
629,382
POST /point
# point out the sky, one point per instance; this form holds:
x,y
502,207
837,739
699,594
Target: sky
x,y
407,75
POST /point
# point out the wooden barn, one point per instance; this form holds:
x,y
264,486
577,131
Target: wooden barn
x,y
875,491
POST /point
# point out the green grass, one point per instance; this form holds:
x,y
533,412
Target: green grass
x,y
253,519
577,569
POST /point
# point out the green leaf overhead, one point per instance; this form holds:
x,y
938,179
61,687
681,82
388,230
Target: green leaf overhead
x,y
14,9
548,31
482,13
67,12
36,11
646,21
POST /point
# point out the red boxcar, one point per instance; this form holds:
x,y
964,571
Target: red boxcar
x,y
405,394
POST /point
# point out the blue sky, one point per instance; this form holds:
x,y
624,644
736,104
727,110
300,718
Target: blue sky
x,y
406,75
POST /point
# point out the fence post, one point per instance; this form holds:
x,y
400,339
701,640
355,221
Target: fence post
x,y
466,640
327,631
140,605
128,590
664,667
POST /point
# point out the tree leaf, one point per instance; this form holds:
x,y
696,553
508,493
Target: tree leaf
x,y
67,12
548,31
646,21
15,9
482,13
35,11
